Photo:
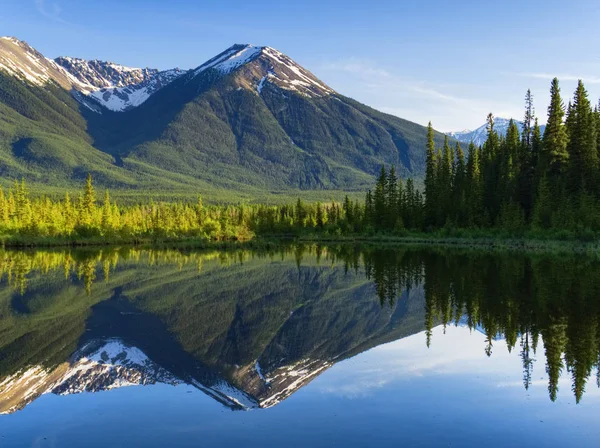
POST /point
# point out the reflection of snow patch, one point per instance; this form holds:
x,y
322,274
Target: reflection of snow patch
x,y
226,393
260,373
286,380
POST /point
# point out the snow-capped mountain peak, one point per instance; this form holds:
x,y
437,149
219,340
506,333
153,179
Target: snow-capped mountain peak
x,y
479,135
230,59
93,83
266,65
19,59
115,86
118,88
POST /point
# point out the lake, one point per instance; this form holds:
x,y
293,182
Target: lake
x,y
300,345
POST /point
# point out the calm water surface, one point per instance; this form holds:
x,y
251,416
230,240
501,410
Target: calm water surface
x,y
299,346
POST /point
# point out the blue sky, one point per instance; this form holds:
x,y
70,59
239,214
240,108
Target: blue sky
x,y
449,62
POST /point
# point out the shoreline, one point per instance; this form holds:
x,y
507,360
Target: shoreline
x,y
524,244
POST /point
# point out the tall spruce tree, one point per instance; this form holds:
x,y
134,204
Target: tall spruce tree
x,y
369,216
554,158
582,145
445,183
490,163
392,199
459,187
430,179
527,131
379,199
474,187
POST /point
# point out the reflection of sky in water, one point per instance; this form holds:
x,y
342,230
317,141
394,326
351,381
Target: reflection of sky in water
x,y
459,352
398,394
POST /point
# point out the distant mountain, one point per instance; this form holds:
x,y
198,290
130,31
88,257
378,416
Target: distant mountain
x,y
479,135
249,120
114,86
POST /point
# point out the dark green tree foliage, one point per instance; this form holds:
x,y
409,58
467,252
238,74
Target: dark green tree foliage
x,y
518,297
555,156
380,200
431,198
459,188
522,180
392,202
582,145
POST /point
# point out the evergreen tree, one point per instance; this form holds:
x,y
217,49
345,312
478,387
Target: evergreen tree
x,y
409,218
528,119
555,157
459,186
490,163
430,179
320,216
369,210
106,213
392,199
379,199
582,145
474,188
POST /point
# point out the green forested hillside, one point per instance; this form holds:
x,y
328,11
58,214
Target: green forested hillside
x,y
208,134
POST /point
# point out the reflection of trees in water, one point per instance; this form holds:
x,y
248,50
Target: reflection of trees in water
x,y
518,297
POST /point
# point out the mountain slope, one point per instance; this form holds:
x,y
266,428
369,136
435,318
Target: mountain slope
x,y
113,86
250,119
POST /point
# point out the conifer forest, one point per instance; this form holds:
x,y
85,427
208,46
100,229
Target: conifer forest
x,y
524,183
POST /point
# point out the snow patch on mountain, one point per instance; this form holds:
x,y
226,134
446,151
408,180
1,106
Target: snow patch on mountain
x,y
275,67
98,84
119,99
261,84
22,61
230,59
294,76
116,87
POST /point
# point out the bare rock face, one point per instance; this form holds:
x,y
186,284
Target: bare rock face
x,y
116,87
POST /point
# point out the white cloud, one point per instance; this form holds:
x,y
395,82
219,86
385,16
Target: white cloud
x,y
51,11
449,107
358,67
587,79
457,352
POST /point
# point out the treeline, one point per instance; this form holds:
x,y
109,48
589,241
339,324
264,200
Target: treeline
x,y
84,217
521,182
524,179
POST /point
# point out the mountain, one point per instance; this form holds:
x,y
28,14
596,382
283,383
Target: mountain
x,y
247,122
479,135
114,86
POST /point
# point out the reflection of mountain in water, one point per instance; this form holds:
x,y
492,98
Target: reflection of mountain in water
x,y
99,365
248,335
250,328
